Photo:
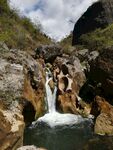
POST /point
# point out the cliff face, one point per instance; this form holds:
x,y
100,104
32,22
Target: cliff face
x,y
99,15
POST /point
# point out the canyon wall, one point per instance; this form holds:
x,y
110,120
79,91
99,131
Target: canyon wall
x,y
99,15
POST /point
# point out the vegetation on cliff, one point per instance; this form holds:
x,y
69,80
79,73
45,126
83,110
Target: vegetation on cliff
x,y
19,32
98,39
95,40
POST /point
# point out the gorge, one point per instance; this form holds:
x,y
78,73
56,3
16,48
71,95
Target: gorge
x,y
53,95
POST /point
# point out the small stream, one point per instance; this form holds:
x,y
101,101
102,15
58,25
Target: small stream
x,y
56,131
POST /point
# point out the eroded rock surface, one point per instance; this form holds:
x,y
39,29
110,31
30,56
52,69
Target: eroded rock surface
x,y
22,80
70,78
11,88
34,85
30,148
104,122
48,52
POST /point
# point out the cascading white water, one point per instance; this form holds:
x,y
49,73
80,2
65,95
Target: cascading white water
x,y
53,118
51,96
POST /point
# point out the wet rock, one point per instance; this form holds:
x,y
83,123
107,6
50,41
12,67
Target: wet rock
x,y
22,79
11,80
67,103
84,108
85,56
52,85
70,77
104,122
103,142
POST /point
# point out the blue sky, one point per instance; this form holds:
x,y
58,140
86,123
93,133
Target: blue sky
x,y
57,17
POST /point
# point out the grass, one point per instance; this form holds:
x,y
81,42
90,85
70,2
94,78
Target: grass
x,y
19,32
98,39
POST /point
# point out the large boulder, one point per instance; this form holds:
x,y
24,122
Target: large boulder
x,y
48,52
11,96
104,122
34,85
101,71
70,78
99,15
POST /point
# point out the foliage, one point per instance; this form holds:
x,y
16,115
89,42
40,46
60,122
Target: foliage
x,y
98,39
19,32
66,44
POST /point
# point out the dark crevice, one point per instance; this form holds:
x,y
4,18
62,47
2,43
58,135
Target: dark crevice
x,y
28,113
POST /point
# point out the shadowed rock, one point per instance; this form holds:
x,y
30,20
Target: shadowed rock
x,y
99,15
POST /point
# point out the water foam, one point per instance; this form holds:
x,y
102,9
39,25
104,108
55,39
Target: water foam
x,y
57,119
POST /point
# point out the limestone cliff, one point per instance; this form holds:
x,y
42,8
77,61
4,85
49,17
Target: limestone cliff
x,y
99,15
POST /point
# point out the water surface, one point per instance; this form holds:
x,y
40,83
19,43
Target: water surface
x,y
77,137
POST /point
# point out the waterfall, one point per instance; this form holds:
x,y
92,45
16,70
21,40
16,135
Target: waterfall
x,y
51,96
54,118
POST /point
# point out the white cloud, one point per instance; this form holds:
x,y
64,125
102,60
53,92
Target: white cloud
x,y
57,17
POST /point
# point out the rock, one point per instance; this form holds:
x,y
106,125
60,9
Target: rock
x,y
101,71
52,85
34,85
84,57
98,142
48,52
104,122
22,79
70,78
11,128
99,15
70,67
11,95
84,108
30,148
104,125
3,46
67,103
11,80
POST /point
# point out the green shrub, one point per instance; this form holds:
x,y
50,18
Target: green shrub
x,y
98,39
19,32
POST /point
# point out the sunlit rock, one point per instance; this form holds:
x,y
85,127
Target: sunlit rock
x,y
104,122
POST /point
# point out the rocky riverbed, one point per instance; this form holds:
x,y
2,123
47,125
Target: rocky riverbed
x,y
22,88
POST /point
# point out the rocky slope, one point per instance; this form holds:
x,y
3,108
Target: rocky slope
x,y
22,79
22,90
19,32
